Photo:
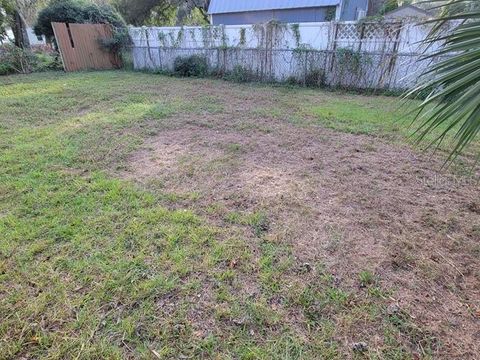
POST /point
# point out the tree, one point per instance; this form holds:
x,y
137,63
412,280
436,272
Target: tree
x,y
453,83
194,18
198,6
75,11
16,14
142,12
19,28
163,12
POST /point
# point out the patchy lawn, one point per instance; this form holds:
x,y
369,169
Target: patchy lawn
x,y
144,216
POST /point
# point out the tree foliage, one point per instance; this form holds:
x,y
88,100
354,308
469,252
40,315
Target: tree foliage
x,y
5,11
199,7
75,11
453,82
163,12
140,12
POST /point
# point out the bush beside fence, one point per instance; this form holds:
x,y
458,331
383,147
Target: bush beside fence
x,y
15,60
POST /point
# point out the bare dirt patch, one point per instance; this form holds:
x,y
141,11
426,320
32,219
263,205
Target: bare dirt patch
x,y
350,202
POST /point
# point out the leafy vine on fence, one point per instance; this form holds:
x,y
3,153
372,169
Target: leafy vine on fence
x,y
162,37
296,34
269,37
330,13
211,34
350,66
274,51
193,35
352,61
172,39
243,37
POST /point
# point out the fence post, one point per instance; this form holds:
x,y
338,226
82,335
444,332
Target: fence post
x,y
224,51
160,63
305,68
393,56
149,50
362,34
334,47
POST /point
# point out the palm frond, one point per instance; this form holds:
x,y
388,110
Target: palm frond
x,y
453,82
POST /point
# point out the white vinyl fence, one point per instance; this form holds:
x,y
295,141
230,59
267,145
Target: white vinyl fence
x,y
373,55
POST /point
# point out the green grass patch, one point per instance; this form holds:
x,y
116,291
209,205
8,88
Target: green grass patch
x,y
95,266
361,115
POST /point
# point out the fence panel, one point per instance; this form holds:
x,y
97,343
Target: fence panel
x,y
80,46
348,54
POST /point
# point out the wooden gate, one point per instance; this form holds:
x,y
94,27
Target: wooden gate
x,y
80,46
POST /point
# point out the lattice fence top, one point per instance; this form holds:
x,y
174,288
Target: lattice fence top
x,y
367,31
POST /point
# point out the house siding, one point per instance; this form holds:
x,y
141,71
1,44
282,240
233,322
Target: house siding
x,y
349,12
283,15
350,9
235,6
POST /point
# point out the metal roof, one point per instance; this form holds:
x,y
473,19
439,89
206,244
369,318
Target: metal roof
x,y
408,6
232,6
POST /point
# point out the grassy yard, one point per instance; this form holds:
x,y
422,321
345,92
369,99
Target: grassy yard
x,y
144,216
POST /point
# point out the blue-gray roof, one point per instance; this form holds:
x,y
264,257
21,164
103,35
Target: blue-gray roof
x,y
231,6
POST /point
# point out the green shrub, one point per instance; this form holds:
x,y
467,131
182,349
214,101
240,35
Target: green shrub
x,y
5,69
75,11
240,74
118,45
118,42
292,80
14,60
351,61
46,61
315,78
194,65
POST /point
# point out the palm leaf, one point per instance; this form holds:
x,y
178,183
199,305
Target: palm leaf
x,y
453,103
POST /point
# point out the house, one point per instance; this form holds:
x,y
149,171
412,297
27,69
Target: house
x,y
33,39
408,12
234,12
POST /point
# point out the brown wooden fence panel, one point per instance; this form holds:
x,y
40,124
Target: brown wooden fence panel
x,y
80,47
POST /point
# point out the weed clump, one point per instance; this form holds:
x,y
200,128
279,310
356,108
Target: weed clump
x,y
314,78
241,74
188,66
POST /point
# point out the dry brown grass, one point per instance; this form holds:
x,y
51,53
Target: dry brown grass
x,y
351,202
